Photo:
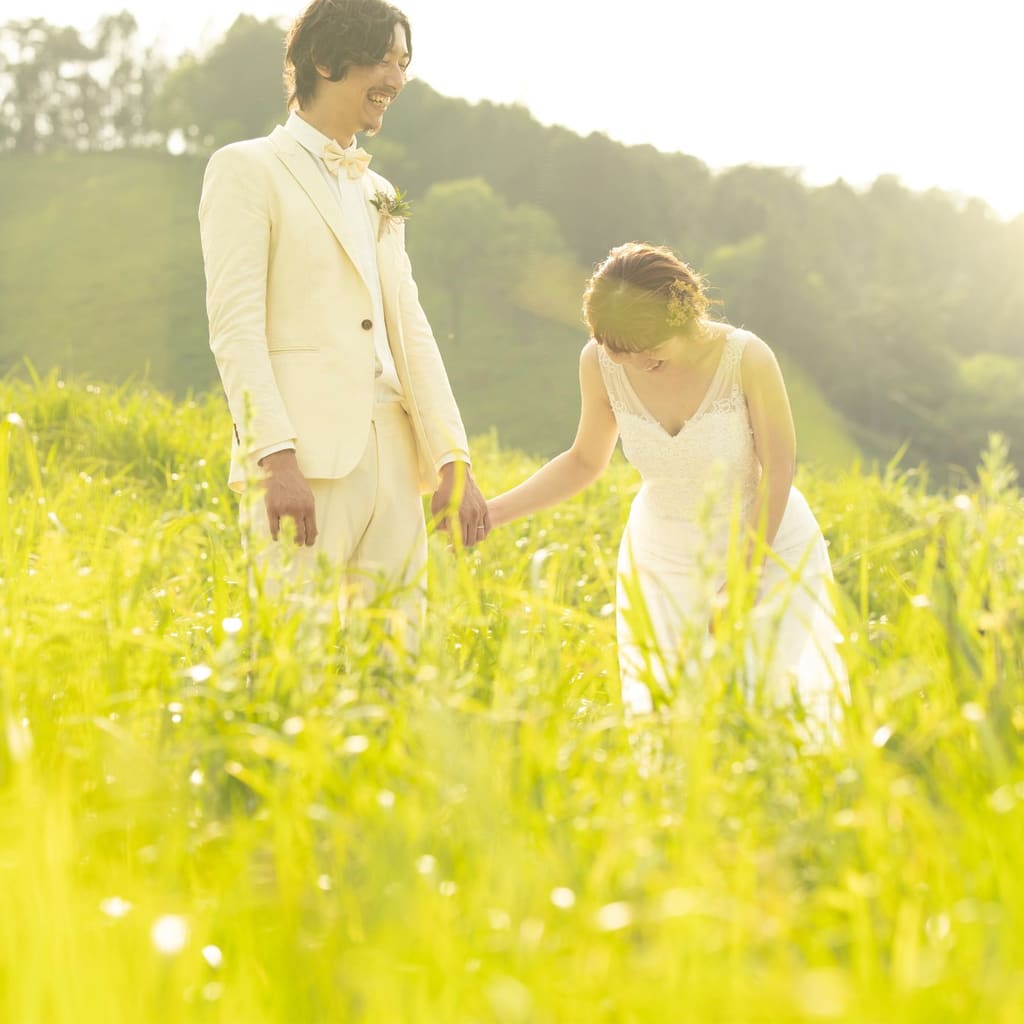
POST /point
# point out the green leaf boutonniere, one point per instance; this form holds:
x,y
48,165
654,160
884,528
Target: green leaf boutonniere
x,y
393,209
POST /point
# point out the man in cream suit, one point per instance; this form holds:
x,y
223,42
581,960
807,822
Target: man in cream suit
x,y
341,405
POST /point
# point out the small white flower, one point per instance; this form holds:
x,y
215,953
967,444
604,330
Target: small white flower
x,y
213,956
563,898
614,917
169,934
115,907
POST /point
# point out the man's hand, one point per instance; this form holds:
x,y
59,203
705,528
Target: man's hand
x,y
288,495
459,490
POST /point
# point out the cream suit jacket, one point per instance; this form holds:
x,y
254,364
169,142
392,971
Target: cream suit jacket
x,y
290,316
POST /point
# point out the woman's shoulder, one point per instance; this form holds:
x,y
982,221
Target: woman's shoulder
x,y
590,358
591,370
757,360
741,337
755,351
739,347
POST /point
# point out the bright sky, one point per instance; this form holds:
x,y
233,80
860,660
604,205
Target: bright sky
x,y
925,89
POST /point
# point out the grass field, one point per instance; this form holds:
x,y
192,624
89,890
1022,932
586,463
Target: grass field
x,y
212,810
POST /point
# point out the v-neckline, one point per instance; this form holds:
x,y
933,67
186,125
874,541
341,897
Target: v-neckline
x,y
701,406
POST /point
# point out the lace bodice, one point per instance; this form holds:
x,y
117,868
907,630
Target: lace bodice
x,y
699,474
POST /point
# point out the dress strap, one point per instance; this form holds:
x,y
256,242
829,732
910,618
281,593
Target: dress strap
x,y
729,383
614,383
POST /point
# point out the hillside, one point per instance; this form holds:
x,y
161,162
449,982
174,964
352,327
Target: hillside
x,y
904,310
100,268
101,275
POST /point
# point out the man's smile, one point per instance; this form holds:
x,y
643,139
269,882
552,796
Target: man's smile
x,y
380,99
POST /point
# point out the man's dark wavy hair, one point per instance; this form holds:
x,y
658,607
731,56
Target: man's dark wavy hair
x,y
337,34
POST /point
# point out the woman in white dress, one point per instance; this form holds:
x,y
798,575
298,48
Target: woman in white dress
x,y
703,414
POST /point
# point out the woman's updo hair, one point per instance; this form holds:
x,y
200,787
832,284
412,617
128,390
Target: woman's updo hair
x,y
642,295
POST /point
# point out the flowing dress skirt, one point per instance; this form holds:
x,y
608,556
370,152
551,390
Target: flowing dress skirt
x,y
668,575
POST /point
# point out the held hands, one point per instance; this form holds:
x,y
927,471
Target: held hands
x,y
458,505
288,495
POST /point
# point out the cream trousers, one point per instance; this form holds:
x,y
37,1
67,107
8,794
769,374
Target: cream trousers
x,y
372,541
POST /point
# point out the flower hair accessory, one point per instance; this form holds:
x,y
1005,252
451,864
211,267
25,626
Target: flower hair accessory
x,y
393,209
683,303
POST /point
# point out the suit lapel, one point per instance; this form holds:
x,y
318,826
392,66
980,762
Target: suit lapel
x,y
306,173
387,265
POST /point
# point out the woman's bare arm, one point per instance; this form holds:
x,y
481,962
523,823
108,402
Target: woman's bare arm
x,y
578,467
774,439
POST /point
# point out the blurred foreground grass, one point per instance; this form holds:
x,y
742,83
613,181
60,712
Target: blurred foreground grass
x,y
213,812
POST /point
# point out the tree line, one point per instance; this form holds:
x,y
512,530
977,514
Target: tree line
x,y
906,307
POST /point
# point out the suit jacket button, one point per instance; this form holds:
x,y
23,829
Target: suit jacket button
x,y
367,325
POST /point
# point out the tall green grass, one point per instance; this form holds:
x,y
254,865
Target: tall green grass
x,y
215,807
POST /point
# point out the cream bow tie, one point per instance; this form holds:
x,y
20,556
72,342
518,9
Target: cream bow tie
x,y
355,161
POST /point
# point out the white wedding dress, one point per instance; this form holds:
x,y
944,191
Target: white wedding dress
x,y
698,486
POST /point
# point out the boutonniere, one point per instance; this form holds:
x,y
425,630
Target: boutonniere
x,y
393,209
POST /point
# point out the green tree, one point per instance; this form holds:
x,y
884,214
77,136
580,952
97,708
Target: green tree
x,y
233,92
47,90
131,86
470,241
59,91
